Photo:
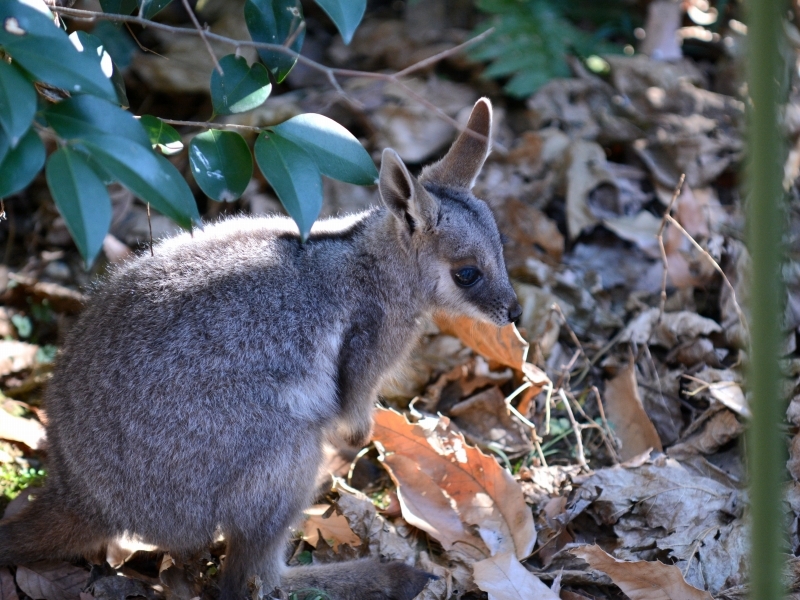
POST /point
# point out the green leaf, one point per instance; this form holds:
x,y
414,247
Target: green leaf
x,y
117,42
85,41
274,22
294,176
44,50
221,164
17,102
149,8
242,88
21,164
162,135
345,14
119,7
80,116
149,176
82,200
336,151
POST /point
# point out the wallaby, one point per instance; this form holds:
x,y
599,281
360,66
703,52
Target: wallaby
x,y
194,393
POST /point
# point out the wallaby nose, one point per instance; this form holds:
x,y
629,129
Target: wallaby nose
x,y
514,312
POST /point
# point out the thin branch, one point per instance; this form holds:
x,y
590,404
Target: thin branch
x,y
576,428
210,125
203,37
331,72
661,247
719,270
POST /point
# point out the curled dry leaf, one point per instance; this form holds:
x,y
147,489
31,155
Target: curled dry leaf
x,y
16,356
8,591
504,578
500,344
624,408
442,465
334,528
642,580
52,580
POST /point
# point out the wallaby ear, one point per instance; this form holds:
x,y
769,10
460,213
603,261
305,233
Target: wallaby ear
x,y
403,195
460,166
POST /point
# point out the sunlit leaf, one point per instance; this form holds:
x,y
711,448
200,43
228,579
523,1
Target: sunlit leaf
x,y
86,42
162,135
221,164
45,51
242,88
336,151
295,177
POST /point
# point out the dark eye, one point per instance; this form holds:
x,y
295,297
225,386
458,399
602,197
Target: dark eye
x,y
466,277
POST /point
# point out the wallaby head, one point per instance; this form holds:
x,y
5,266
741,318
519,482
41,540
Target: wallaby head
x,y
453,234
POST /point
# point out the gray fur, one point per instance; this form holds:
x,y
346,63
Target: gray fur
x,y
195,391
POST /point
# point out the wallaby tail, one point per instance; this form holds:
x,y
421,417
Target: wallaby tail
x,y
48,530
364,579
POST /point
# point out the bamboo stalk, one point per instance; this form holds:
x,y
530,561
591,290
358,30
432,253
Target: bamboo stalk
x,y
765,229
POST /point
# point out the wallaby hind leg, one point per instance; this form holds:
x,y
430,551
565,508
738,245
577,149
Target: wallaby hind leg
x,y
365,579
47,530
245,558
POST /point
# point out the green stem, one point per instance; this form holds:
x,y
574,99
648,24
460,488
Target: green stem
x,y
765,229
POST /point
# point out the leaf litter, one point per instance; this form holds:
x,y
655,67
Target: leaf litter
x,y
592,452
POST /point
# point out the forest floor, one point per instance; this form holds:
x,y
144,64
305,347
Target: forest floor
x,y
595,452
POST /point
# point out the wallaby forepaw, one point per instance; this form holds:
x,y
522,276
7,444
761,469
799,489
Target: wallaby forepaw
x,y
407,582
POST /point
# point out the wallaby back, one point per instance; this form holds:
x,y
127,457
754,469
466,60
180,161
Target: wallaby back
x,y
195,391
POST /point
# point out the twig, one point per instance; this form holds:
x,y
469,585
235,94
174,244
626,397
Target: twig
x,y
210,125
293,36
203,37
576,427
331,72
661,247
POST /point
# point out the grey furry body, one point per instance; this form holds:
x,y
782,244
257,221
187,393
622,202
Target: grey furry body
x,y
194,393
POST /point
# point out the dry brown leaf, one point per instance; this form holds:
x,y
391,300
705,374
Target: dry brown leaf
x,y
484,419
720,429
18,429
484,494
52,580
334,528
8,591
625,411
504,578
500,344
642,580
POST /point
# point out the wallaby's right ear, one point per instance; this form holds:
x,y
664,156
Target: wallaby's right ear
x,y
404,196
460,166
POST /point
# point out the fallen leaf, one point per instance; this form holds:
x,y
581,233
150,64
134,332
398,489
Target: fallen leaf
x,y
586,172
484,419
642,580
485,495
334,528
18,429
717,431
632,426
501,344
8,591
504,578
52,580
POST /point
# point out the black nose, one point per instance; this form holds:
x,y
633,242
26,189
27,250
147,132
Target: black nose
x,y
514,312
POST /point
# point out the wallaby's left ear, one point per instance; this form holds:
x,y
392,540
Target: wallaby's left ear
x,y
404,196
460,166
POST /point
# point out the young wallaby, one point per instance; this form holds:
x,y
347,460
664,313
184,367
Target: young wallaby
x,y
195,391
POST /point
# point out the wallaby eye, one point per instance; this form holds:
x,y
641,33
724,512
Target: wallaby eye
x,y
467,276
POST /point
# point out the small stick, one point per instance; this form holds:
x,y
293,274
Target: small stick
x,y
203,37
150,226
576,428
661,247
